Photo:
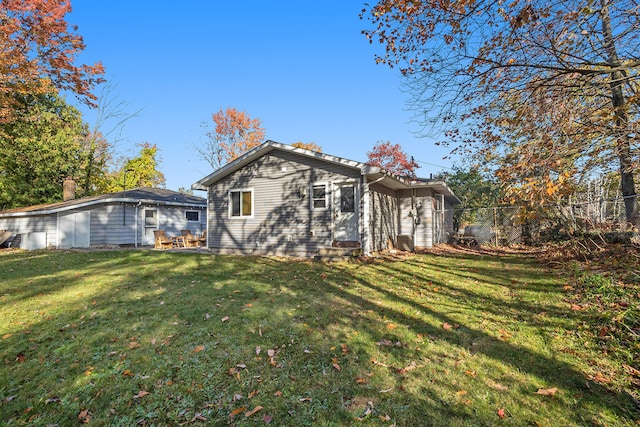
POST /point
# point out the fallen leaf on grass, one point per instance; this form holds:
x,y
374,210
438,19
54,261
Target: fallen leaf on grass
x,y
7,336
361,380
267,419
198,349
504,335
461,392
391,326
501,413
305,399
599,378
141,393
408,368
547,391
576,307
384,417
375,362
277,393
345,349
225,318
471,373
446,326
84,416
134,344
335,364
128,373
253,411
253,393
237,411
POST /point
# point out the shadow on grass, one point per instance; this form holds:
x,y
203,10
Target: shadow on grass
x,y
114,324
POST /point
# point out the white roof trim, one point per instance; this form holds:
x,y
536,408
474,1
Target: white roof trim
x,y
53,210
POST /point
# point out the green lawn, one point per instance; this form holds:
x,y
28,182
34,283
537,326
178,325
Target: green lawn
x,y
158,338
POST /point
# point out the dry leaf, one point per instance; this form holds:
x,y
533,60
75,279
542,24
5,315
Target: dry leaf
x,y
134,344
547,391
141,393
271,353
278,393
384,417
471,373
345,349
501,413
504,335
446,326
237,411
305,399
198,349
337,367
6,336
391,326
461,392
225,318
576,307
84,416
253,411
258,350
253,393
128,373
361,380
237,397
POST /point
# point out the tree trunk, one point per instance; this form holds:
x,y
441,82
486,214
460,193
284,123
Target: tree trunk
x,y
623,145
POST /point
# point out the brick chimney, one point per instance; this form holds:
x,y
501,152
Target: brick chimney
x,y
68,189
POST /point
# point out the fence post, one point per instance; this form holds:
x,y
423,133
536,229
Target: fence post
x,y
495,223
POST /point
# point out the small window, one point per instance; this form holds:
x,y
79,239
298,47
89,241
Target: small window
x,y
347,198
241,203
192,216
319,196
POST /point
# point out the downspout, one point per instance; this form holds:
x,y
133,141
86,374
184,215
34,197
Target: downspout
x,y
135,237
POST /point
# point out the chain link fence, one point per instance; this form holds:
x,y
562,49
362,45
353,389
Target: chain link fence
x,y
515,225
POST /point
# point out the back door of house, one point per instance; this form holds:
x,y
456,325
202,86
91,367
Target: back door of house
x,y
345,205
150,225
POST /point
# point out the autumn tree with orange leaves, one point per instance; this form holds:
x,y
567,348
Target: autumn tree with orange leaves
x,y
233,133
312,146
545,91
392,158
38,52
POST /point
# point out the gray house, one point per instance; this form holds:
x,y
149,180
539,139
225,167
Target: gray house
x,y
123,218
281,200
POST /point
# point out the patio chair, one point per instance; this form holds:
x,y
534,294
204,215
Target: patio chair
x,y
190,241
203,238
162,240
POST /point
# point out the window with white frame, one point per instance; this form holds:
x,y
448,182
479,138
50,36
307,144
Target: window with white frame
x,y
192,216
241,203
319,196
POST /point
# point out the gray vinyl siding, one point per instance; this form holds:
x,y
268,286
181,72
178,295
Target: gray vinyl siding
x,y
383,217
110,224
424,209
405,220
32,223
283,221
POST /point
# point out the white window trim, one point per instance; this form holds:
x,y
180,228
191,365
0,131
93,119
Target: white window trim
x,y
253,206
326,196
191,220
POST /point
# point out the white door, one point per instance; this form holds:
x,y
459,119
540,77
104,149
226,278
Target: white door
x,y
150,225
75,230
345,205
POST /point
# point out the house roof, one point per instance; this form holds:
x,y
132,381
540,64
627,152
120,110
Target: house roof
x,y
144,195
372,173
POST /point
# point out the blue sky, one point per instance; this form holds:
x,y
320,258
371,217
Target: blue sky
x,y
302,68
